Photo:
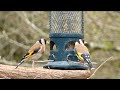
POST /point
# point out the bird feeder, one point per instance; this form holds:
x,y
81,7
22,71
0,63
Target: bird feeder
x,y
66,27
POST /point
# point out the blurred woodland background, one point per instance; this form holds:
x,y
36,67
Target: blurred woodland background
x,y
19,30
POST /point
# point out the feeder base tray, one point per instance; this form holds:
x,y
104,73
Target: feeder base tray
x,y
66,65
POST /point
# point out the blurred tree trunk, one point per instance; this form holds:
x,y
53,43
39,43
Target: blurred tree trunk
x,y
9,72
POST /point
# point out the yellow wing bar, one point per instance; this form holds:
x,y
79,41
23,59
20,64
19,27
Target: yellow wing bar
x,y
79,56
29,54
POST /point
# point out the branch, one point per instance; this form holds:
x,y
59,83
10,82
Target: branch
x,y
14,42
9,72
32,25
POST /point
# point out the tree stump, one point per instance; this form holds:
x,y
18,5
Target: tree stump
x,y
9,72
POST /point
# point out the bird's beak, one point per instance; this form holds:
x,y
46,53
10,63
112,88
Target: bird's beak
x,y
47,42
85,42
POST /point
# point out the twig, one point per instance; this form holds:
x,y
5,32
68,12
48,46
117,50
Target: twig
x,y
99,67
14,42
32,25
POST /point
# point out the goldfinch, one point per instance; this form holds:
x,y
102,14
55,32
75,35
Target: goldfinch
x,y
35,52
83,52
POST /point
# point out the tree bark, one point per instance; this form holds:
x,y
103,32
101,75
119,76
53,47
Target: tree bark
x,y
9,72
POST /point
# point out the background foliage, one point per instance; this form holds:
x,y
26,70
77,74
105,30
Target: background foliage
x,y
20,29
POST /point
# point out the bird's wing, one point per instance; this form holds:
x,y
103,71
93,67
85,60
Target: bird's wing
x,y
33,50
86,56
79,56
28,54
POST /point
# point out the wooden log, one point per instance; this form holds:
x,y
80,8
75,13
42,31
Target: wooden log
x,y
9,72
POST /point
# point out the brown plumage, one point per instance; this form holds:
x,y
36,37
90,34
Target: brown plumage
x,y
35,52
81,48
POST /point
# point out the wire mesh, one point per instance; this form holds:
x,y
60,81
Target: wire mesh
x,y
65,22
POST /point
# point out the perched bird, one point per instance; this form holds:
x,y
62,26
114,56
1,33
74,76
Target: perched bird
x,y
35,52
83,53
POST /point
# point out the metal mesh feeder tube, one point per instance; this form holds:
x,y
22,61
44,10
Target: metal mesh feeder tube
x,y
66,27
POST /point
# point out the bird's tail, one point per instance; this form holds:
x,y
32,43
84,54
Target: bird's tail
x,y
20,63
87,59
90,64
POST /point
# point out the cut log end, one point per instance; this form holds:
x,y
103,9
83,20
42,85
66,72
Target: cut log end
x,y
9,72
